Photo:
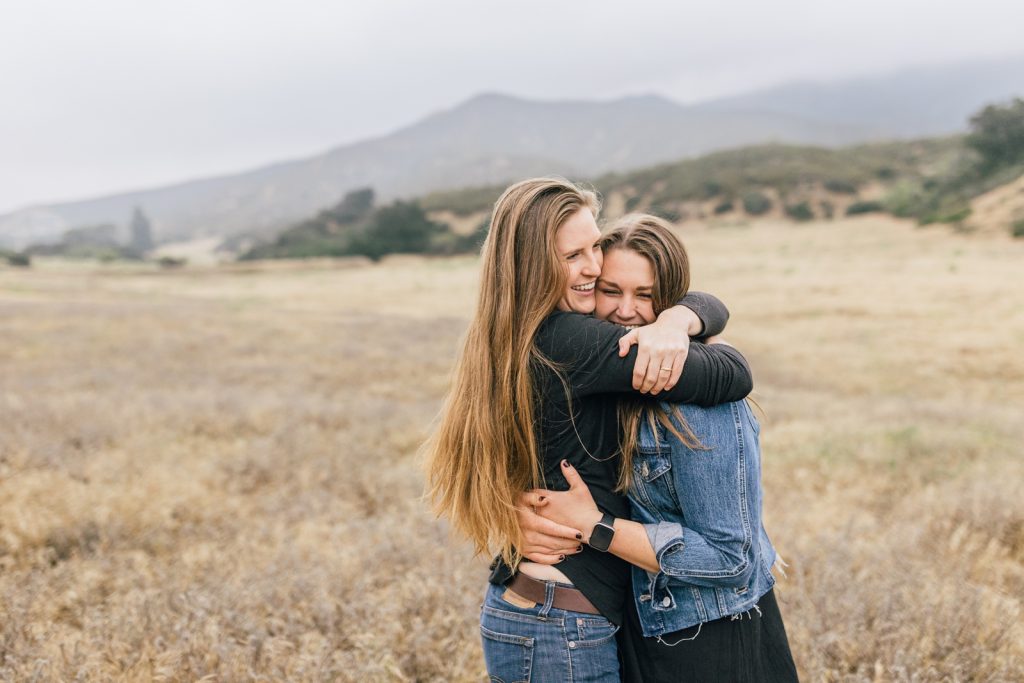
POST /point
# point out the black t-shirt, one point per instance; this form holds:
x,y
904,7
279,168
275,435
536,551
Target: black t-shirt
x,y
586,350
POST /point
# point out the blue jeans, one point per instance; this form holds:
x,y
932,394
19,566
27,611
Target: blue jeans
x,y
543,644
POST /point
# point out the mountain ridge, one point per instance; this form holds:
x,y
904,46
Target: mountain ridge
x,y
494,137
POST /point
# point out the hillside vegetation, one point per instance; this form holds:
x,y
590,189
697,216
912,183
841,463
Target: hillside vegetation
x,y
356,227
784,181
931,180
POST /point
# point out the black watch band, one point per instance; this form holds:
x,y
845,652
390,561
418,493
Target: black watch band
x,y
601,536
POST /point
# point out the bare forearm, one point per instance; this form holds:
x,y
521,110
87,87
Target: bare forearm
x,y
632,545
682,318
630,542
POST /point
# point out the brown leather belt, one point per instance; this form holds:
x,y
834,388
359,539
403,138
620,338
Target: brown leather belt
x,y
566,597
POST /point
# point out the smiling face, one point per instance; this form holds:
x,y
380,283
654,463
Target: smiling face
x,y
577,244
625,289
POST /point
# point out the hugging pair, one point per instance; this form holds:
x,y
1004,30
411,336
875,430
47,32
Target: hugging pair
x,y
629,527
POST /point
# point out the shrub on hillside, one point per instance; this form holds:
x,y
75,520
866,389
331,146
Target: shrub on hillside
x,y
953,212
463,202
712,189
1017,229
864,206
14,258
326,234
756,203
841,186
354,206
666,212
800,212
401,228
171,262
448,243
997,134
724,207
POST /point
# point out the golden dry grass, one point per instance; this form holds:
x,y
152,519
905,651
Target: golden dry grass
x,y
211,474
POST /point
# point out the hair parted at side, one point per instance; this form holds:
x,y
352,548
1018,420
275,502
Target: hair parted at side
x,y
483,453
651,237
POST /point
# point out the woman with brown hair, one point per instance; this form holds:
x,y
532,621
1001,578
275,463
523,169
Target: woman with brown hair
x,y
537,382
704,606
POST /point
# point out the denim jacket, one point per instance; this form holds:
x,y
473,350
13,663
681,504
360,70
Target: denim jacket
x,y
702,511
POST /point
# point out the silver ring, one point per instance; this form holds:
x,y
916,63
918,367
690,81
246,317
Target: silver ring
x,y
669,369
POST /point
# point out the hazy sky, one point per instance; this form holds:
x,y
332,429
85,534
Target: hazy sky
x,y
111,95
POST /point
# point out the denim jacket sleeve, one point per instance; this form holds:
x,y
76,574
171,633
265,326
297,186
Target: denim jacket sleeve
x,y
693,558
711,545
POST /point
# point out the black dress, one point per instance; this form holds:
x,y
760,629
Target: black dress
x,y
750,648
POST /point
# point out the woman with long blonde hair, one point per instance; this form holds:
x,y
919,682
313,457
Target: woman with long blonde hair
x,y
704,607
536,386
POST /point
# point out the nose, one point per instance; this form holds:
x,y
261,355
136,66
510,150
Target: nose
x,y
592,267
626,308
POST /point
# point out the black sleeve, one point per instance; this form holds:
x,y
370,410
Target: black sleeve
x,y
711,311
587,352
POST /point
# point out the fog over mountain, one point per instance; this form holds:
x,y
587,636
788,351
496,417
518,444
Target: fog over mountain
x,y
492,138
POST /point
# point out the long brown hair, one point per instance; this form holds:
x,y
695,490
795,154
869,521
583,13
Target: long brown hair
x,y
484,451
652,238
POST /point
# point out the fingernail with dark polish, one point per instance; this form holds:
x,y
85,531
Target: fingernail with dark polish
x,y
579,547
579,537
565,463
561,558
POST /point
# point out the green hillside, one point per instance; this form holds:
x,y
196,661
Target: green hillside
x,y
932,180
786,170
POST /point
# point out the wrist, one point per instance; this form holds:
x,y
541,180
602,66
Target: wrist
x,y
590,522
684,317
602,533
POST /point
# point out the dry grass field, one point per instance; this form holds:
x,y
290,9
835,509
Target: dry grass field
x,y
211,474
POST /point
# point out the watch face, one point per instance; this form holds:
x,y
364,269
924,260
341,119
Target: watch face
x,y
601,537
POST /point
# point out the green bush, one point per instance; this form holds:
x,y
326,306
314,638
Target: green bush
x,y
800,212
997,134
17,259
756,203
864,207
954,214
448,243
463,202
668,213
402,227
171,262
712,189
633,202
724,207
841,186
907,199
1017,229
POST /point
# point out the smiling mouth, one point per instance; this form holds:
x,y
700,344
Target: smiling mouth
x,y
589,287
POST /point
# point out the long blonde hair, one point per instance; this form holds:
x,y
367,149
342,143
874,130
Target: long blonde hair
x,y
484,452
652,238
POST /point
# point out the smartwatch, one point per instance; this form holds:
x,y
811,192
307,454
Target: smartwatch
x,y
601,536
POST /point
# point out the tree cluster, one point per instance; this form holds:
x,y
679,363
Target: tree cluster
x,y
355,227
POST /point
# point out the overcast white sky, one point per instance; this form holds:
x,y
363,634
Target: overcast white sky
x,y
111,95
